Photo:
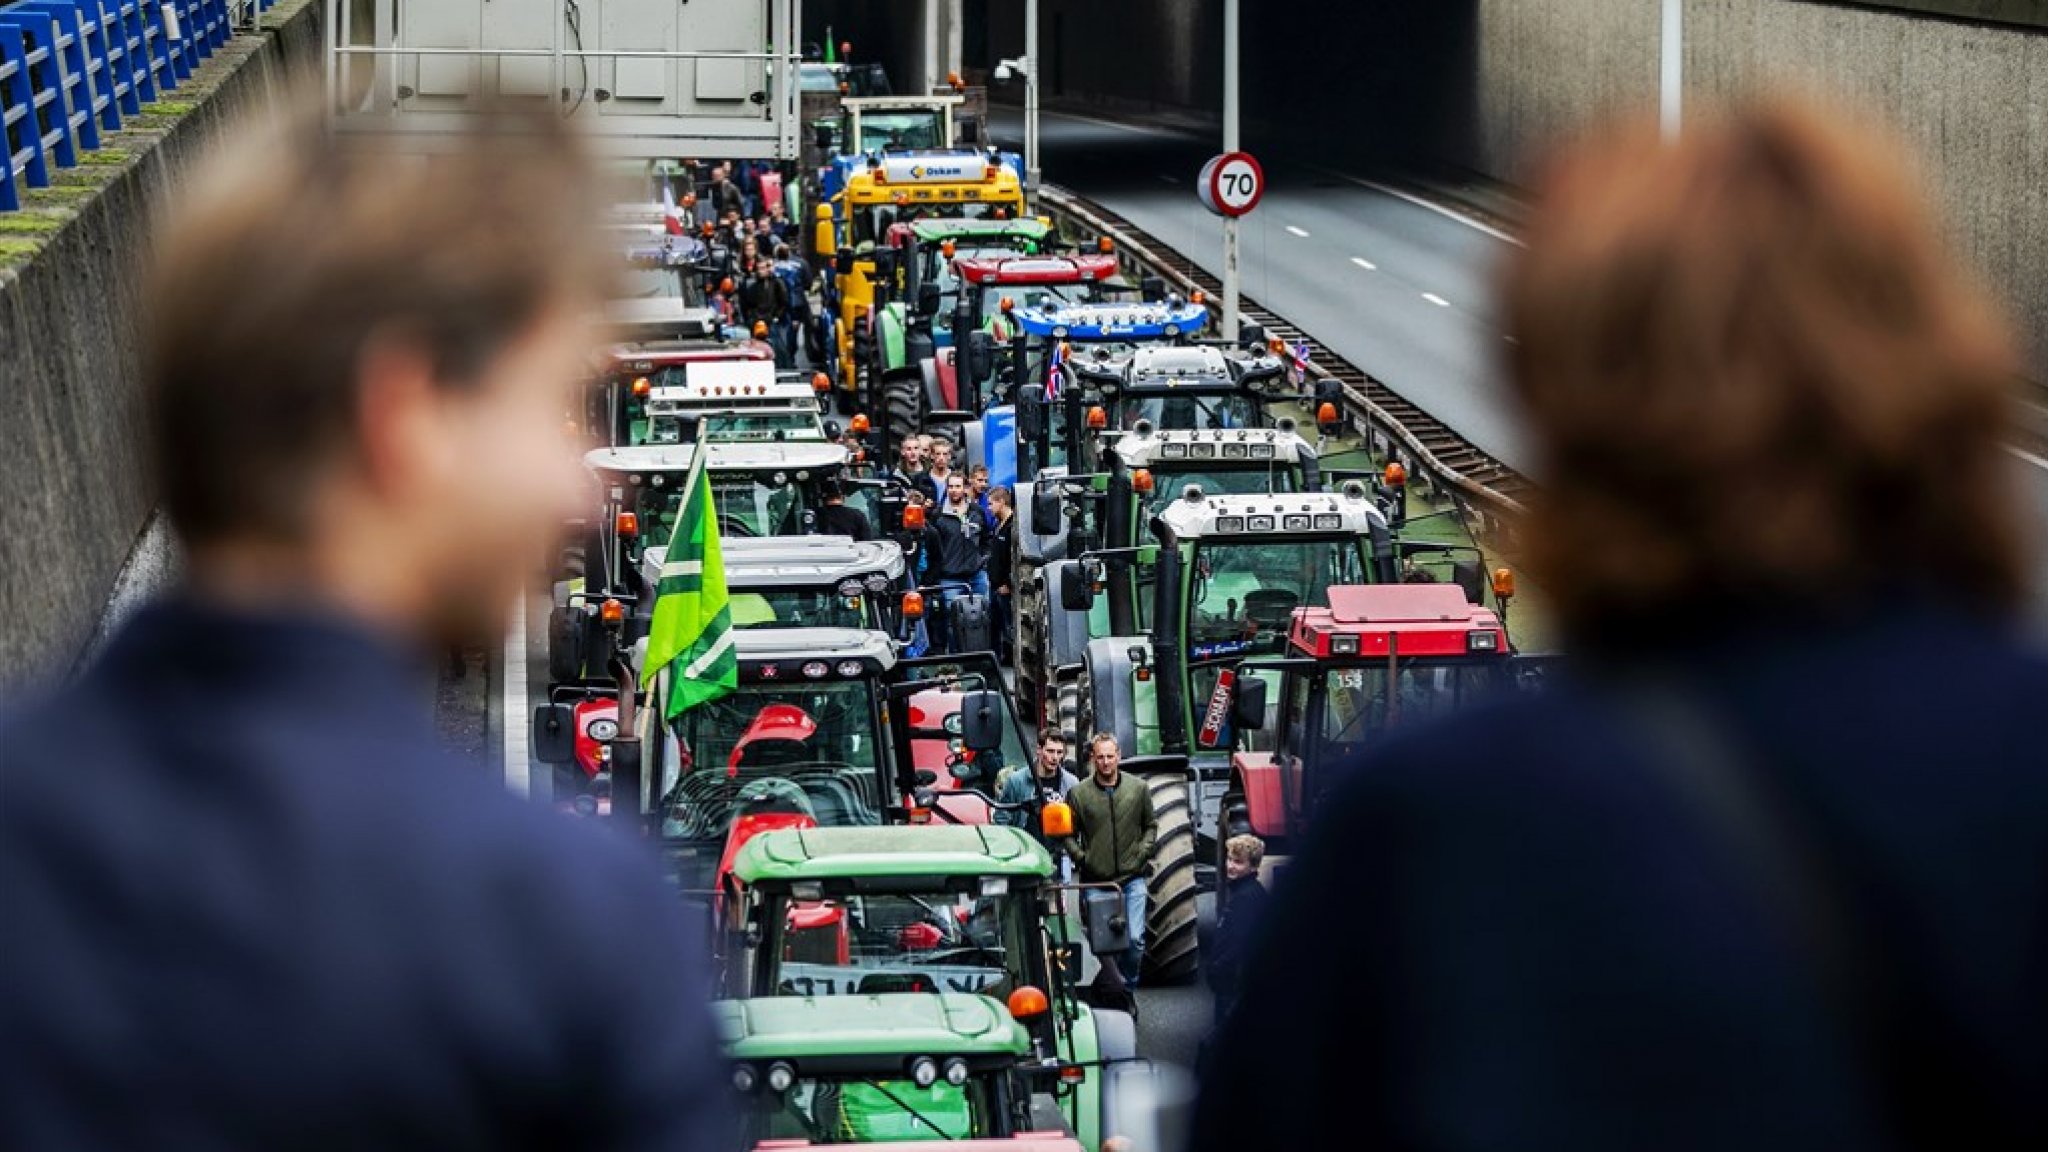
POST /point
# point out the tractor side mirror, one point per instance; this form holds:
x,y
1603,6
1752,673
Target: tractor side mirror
x,y
1102,916
1030,414
554,734
1152,287
833,431
842,263
1248,704
969,131
981,720
822,136
928,299
1077,590
1045,511
1470,575
981,355
1252,337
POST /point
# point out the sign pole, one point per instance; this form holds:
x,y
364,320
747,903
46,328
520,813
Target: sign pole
x,y
1671,67
1230,144
1031,71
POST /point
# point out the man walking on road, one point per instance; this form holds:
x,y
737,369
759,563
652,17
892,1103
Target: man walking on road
x,y
1114,828
1042,782
250,903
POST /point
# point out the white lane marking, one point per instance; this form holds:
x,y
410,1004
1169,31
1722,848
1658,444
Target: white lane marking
x,y
1362,262
2029,457
1297,231
1419,202
518,777
1435,299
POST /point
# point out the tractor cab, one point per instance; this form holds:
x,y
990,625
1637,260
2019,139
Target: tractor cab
x,y
734,402
617,409
1369,660
805,581
856,912
1239,462
1200,387
867,1069
799,744
760,488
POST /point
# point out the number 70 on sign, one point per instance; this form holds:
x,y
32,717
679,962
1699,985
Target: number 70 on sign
x,y
1232,184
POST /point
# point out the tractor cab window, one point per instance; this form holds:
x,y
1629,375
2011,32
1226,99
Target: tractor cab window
x,y
804,748
871,224
1245,585
644,282
799,608
1234,410
877,1111
1170,480
865,944
905,131
757,506
1362,703
735,427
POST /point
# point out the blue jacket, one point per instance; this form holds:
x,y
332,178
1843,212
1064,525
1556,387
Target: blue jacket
x,y
249,903
1515,932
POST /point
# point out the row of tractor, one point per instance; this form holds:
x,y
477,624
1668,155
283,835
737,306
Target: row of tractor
x,y
1205,566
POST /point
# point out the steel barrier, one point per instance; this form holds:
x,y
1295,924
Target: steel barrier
x,y
72,69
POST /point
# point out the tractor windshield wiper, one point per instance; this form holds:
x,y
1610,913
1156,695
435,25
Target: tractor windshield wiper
x,y
920,1117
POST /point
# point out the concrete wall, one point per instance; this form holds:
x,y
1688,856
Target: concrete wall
x,y
77,504
1973,98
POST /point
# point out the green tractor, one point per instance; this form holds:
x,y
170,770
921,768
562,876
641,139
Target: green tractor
x,y
946,909
882,1069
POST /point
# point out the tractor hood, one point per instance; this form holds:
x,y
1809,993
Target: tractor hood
x,y
933,850
898,1024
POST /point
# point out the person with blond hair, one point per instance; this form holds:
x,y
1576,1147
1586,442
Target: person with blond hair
x,y
1765,868
1242,909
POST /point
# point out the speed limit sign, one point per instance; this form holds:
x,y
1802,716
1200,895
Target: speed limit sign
x,y
1232,184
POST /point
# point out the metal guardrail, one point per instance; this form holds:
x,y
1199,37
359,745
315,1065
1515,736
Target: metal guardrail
x,y
1487,493
71,69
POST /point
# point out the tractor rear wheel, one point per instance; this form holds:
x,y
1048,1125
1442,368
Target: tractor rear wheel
x,y
1172,952
902,407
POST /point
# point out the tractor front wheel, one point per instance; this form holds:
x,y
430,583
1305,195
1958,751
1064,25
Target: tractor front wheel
x,y
1172,952
902,410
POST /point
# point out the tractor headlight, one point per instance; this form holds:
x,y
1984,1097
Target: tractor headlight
x,y
850,668
1482,640
816,669
924,1071
851,587
877,582
1329,522
1343,645
1173,451
1262,452
602,728
956,1071
744,1078
1260,523
1230,523
1297,522
1236,451
780,1077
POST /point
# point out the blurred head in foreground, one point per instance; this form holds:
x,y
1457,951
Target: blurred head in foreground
x,y
1758,382
359,365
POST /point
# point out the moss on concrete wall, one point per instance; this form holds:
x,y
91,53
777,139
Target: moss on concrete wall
x,y
70,309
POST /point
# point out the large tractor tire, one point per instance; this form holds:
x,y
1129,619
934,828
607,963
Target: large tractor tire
x,y
1172,951
902,407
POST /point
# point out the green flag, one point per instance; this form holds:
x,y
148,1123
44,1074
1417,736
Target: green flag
x,y
692,626
831,49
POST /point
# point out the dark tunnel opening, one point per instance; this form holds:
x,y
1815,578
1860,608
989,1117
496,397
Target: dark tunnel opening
x,y
1398,95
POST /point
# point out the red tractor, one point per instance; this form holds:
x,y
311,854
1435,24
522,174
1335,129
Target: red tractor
x,y
1380,656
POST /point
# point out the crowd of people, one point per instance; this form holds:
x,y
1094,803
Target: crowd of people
x,y
1763,869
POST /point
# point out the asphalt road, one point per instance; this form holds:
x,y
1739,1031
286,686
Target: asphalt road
x,y
1398,287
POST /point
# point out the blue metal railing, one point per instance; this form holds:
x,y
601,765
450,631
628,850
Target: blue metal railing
x,y
71,69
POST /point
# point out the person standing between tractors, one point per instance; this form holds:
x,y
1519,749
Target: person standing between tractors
x,y
909,470
940,470
1114,829
726,196
262,906
1002,557
1737,877
765,300
1040,783
1237,927
956,547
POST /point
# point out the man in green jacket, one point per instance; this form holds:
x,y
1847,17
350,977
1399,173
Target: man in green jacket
x,y
1114,828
